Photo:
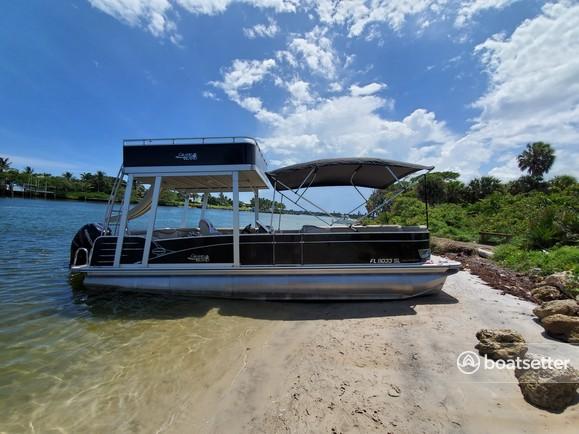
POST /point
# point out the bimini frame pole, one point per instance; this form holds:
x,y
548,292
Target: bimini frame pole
x,y
204,205
256,206
151,227
426,197
235,179
185,210
387,202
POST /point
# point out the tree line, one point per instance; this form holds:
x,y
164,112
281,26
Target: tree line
x,y
446,187
537,213
29,180
97,186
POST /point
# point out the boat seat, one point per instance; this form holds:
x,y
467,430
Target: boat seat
x,y
311,229
207,228
161,234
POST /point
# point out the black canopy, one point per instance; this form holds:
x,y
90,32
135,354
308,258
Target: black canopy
x,y
361,172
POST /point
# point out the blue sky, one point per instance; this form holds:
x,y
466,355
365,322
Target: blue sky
x,y
461,85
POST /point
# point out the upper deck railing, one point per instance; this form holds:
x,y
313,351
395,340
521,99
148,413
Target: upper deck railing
x,y
193,141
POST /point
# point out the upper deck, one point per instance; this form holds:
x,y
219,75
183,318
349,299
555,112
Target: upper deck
x,y
197,163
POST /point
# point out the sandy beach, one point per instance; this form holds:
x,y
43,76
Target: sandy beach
x,y
374,367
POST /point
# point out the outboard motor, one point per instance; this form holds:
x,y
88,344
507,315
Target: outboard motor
x,y
84,238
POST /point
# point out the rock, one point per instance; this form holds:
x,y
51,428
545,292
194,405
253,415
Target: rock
x,y
502,344
563,327
549,387
563,307
546,293
562,280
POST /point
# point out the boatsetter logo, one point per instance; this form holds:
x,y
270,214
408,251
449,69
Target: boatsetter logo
x,y
469,362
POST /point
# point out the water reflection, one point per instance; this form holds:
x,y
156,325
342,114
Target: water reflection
x,y
128,305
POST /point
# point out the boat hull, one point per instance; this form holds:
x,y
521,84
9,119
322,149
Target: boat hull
x,y
387,283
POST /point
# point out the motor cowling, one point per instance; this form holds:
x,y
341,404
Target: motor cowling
x,y
84,239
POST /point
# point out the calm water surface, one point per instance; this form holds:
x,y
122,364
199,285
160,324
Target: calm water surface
x,y
77,362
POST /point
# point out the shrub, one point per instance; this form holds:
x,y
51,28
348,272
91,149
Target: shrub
x,y
565,258
542,231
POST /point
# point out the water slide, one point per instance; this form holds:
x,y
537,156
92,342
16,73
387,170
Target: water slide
x,y
139,209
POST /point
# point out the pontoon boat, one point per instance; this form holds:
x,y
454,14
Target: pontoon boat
x,y
339,259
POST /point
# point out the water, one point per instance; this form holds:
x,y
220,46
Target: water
x,y
77,362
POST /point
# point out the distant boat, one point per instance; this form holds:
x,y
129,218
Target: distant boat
x,y
342,260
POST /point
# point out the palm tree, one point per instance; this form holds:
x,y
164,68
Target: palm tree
x,y
67,180
28,170
99,179
68,176
4,164
537,159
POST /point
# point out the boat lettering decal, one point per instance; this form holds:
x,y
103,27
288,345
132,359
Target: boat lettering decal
x,y
198,258
384,261
186,156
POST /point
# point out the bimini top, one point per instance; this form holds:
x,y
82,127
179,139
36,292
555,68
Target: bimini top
x,y
361,172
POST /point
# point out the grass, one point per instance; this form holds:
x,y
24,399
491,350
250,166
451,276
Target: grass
x,y
564,258
91,195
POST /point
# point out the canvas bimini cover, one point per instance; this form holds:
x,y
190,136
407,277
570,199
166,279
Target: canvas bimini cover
x,y
335,172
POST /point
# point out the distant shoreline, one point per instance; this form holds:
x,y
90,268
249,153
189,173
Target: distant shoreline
x,y
195,205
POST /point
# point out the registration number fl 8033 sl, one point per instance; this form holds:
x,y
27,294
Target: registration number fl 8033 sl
x,y
384,261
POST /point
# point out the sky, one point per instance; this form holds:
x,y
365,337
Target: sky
x,y
461,85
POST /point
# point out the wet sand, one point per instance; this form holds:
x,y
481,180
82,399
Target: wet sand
x,y
375,367
140,364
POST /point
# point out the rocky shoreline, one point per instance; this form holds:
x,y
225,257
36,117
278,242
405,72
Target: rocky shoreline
x,y
475,258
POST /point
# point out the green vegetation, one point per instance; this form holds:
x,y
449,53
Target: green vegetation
x,y
87,187
545,261
541,217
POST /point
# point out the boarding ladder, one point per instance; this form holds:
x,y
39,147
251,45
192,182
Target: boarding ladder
x,y
114,209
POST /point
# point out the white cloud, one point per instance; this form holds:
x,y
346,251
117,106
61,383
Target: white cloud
x,y
468,9
352,126
153,15
262,30
150,14
212,7
207,7
306,125
240,78
210,95
356,15
242,75
316,50
335,87
533,95
369,89
300,92
508,170
251,103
